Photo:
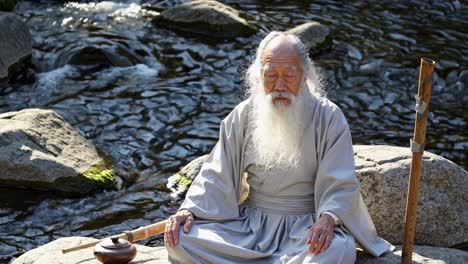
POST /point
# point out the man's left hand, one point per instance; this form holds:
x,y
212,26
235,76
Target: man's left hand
x,y
321,234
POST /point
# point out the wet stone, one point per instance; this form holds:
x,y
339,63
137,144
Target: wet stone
x,y
386,110
463,77
449,64
147,161
390,98
375,104
354,53
372,67
6,251
145,135
451,77
207,18
130,121
398,36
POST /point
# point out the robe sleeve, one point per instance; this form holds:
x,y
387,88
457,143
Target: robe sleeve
x,y
337,188
214,192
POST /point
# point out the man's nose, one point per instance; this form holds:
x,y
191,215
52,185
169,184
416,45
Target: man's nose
x,y
280,85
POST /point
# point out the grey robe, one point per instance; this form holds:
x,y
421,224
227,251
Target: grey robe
x,y
272,224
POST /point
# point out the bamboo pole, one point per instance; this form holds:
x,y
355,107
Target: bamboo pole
x,y
424,93
132,236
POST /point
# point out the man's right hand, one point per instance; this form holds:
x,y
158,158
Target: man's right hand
x,y
171,235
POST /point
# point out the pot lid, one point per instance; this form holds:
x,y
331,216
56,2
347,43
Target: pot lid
x,y
114,243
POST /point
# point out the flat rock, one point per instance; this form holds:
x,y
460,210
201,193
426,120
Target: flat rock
x,y
442,213
314,35
15,44
51,253
40,150
421,254
206,17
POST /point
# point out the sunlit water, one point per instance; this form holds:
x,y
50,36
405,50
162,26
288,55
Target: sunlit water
x,y
160,102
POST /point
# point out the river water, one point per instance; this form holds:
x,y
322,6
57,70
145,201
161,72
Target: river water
x,y
153,98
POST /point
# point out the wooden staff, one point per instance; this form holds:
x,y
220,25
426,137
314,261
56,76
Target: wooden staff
x,y
417,149
132,236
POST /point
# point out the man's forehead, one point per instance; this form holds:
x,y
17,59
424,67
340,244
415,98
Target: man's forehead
x,y
280,50
291,63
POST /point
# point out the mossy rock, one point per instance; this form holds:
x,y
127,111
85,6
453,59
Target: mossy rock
x,y
181,181
40,150
98,177
179,184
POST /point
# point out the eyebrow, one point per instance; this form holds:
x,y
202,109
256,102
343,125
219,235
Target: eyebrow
x,y
291,68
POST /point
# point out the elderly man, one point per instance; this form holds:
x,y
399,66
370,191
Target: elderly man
x,y
279,186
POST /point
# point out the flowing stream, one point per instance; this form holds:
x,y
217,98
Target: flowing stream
x,y
153,98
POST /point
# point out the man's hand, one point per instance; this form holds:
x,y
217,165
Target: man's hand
x,y
171,235
321,234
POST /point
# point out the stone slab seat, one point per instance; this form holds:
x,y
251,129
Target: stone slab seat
x,y
51,254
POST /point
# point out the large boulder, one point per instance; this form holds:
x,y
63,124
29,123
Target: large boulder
x,y
442,213
314,35
40,150
206,17
15,44
51,253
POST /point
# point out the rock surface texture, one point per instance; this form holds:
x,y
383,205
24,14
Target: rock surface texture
x,y
179,182
206,17
51,254
442,213
421,254
15,44
40,150
314,35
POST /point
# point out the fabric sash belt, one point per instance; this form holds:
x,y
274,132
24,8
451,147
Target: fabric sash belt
x,y
286,205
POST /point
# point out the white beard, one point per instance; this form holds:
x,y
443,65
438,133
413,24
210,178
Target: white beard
x,y
278,129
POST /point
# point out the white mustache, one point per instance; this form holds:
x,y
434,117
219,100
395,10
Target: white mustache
x,y
276,94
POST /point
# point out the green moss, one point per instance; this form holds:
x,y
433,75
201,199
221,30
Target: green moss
x,y
183,183
102,172
178,184
100,176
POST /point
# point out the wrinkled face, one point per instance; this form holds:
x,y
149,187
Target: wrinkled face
x,y
281,70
